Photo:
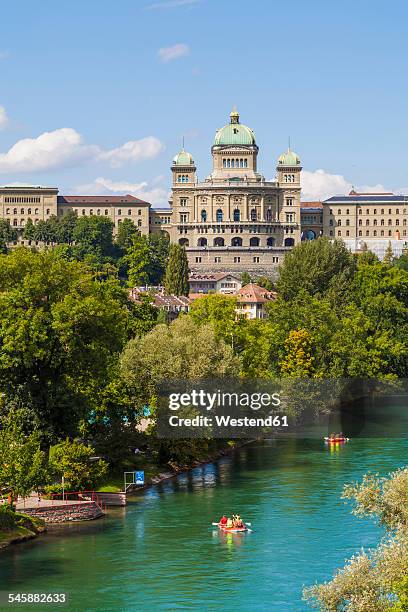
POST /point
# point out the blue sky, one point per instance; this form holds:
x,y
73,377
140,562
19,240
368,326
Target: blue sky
x,y
81,79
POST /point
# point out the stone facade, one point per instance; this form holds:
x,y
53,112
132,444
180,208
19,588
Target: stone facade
x,y
81,511
235,219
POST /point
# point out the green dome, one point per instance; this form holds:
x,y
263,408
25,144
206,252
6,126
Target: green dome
x,y
289,159
183,159
234,133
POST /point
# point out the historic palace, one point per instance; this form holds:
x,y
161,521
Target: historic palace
x,y
235,219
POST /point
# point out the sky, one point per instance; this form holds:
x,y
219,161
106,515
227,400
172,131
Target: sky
x,y
96,96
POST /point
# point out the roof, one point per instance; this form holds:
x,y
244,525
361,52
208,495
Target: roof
x,y
160,299
290,158
183,158
217,276
234,133
129,200
253,293
317,204
361,198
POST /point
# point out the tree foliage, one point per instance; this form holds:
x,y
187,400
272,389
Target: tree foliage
x,y
73,461
176,278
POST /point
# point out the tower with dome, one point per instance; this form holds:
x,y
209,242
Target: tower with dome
x,y
235,219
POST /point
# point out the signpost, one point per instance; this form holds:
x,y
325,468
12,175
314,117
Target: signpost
x,y
134,478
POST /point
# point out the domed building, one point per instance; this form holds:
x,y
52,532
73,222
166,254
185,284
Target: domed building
x,y
235,219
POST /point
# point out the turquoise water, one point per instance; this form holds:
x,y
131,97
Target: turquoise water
x,y
160,553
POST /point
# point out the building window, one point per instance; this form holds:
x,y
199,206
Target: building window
x,y
183,201
183,218
347,221
237,259
236,241
375,222
360,233
15,211
360,211
139,223
255,259
289,201
219,215
382,222
22,211
83,212
367,232
290,217
203,216
374,232
339,222
339,211
375,211
198,259
219,241
129,212
106,212
253,214
98,212
348,211
331,222
254,241
119,212
237,215
331,232
367,221
347,233
339,232
91,212
217,259
360,222
397,222
270,241
382,232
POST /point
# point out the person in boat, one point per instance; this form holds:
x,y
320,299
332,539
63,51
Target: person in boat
x,y
223,520
238,521
332,436
229,523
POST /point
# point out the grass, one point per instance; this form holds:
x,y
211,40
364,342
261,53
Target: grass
x,y
115,480
22,527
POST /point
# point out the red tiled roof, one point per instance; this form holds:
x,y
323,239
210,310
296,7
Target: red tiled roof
x,y
210,277
316,204
253,293
86,200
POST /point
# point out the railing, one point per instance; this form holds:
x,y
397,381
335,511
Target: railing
x,y
81,497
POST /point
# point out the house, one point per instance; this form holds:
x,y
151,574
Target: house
x,y
218,282
251,301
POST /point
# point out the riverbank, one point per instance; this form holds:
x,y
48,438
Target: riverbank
x,y
25,528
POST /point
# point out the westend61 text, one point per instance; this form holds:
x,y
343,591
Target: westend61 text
x,y
227,421
208,401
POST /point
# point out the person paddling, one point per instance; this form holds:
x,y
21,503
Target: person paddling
x,y
223,520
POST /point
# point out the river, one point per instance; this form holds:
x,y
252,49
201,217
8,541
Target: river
x,y
160,553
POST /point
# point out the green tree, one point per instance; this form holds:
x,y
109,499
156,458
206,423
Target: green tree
x,y
176,279
375,581
73,461
22,462
29,230
218,310
60,328
298,361
159,244
389,254
65,230
246,278
7,235
137,259
126,230
94,235
316,266
265,282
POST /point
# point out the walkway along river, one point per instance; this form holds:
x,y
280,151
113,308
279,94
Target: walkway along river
x,y
160,553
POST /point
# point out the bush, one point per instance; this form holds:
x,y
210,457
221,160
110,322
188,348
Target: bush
x,y
8,520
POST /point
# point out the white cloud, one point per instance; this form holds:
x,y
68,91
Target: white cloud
x,y
169,4
134,150
168,54
319,185
65,147
3,118
157,196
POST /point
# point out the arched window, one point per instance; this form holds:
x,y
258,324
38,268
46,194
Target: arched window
x,y
29,211
236,241
289,242
15,222
397,211
360,233
389,222
241,163
204,215
253,214
98,212
7,211
339,211
91,212
367,221
237,215
404,222
397,222
339,222
219,215
375,211
382,211
219,241
269,215
347,221
375,222
83,211
139,223
183,242
22,211
360,211
36,211
119,212
271,241
360,222
245,163
375,232
15,211
254,241
202,242
339,232
228,163
106,212
348,211
224,163
129,212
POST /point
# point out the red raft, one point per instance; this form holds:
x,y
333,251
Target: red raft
x,y
336,440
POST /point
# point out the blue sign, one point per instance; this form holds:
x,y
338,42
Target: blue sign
x,y
146,411
139,478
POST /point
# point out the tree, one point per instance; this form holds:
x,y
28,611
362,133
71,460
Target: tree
x,y
60,329
159,244
73,461
29,230
137,259
218,310
180,350
316,266
246,278
7,235
176,279
298,361
389,254
22,462
376,581
265,282
94,235
126,230
65,230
